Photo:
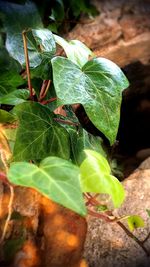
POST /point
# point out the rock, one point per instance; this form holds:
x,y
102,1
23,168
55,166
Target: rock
x,y
121,32
107,244
45,234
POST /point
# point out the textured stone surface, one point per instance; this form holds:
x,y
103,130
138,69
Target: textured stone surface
x,y
121,32
107,244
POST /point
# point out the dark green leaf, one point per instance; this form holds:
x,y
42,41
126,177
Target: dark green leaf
x,y
9,73
38,135
135,221
98,87
16,97
96,178
81,140
55,178
17,18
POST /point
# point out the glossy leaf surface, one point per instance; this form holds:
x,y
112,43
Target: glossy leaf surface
x,y
16,97
96,177
98,87
38,135
17,18
9,73
75,50
55,178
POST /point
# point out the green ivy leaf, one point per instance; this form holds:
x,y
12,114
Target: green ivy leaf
x,y
38,135
81,140
9,73
16,97
55,178
17,18
6,116
98,87
134,222
75,50
96,178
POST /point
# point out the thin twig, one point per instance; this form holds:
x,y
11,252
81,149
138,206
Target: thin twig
x,y
99,215
146,238
44,89
3,178
9,214
4,161
45,102
66,122
27,63
107,218
140,243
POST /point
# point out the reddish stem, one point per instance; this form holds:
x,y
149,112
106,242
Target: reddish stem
x,y
3,178
45,102
27,63
44,89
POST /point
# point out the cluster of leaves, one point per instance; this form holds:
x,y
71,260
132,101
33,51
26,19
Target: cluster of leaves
x,y
67,161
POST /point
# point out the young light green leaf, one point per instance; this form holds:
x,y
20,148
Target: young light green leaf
x,y
75,50
135,221
98,87
38,135
96,178
55,178
15,97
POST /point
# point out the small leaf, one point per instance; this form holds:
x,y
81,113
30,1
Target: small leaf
x,y
55,178
102,208
98,87
75,50
16,97
39,135
134,222
96,178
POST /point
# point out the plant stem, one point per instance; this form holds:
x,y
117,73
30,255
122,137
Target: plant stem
x,y
146,238
9,214
44,89
45,102
140,243
66,122
3,178
27,63
95,202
